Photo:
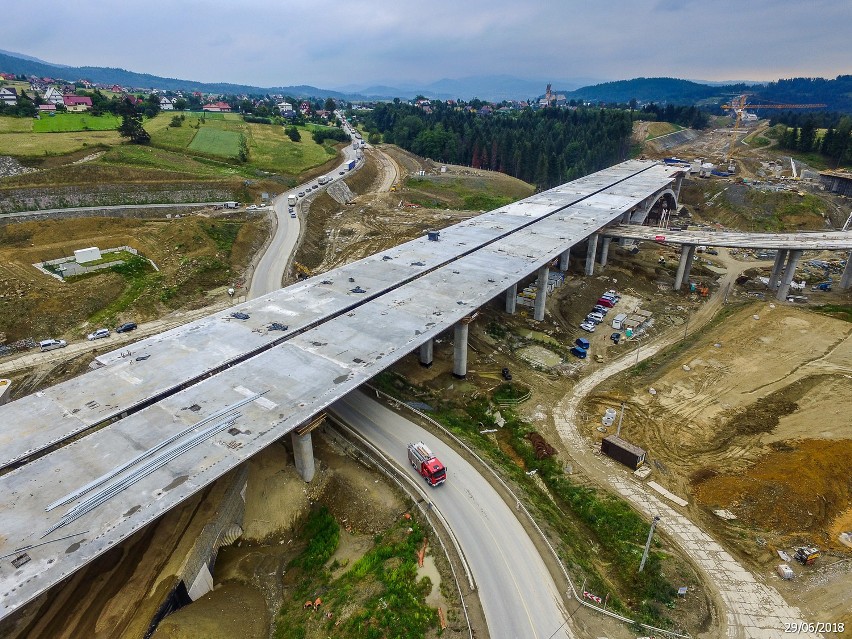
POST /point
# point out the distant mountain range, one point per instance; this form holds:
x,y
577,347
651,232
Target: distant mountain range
x,y
836,94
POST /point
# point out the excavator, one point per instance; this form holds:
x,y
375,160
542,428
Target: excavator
x,y
302,271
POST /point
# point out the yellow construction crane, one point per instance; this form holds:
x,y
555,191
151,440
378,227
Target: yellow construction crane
x,y
739,105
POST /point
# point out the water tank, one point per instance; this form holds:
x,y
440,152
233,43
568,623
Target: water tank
x,y
609,417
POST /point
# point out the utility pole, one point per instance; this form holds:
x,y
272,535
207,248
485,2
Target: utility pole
x,y
686,326
648,543
620,417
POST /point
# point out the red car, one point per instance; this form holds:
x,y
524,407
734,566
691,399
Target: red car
x,y
605,302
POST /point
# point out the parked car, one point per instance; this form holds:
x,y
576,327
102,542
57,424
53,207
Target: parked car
x,y
588,326
293,215
506,374
126,328
603,310
606,302
301,194
579,351
50,344
615,337
582,342
98,334
597,318
251,207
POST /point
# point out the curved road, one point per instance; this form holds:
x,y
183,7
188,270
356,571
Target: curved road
x,y
519,598
270,270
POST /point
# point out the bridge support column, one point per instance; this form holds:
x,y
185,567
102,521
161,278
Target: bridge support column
x,y
605,250
541,294
789,274
303,452
777,269
687,252
426,349
460,351
591,250
511,298
845,279
564,260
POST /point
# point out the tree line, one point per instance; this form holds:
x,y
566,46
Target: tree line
x,y
545,147
835,143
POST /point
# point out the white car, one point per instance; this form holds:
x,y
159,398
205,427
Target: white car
x,y
251,207
50,344
98,334
588,326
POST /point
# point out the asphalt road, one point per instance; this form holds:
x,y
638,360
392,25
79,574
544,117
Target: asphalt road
x,y
519,598
270,270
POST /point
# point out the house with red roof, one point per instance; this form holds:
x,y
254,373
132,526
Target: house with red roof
x,y
77,103
217,107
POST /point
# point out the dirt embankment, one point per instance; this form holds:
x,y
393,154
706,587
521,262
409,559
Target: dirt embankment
x,y
194,254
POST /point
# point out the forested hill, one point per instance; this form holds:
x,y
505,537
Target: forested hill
x,y
666,90
546,147
122,77
836,93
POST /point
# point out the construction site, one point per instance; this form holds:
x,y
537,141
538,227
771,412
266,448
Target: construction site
x,y
740,403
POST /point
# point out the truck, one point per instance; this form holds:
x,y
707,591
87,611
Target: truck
x,y
291,200
325,179
351,165
426,464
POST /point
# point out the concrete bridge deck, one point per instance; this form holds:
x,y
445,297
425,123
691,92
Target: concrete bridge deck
x,y
186,354
337,340
802,240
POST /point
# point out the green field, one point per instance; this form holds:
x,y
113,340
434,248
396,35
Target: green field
x,y
219,142
203,147
67,122
37,145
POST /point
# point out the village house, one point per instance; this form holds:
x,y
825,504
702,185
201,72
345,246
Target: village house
x,y
53,96
8,96
77,103
217,107
166,104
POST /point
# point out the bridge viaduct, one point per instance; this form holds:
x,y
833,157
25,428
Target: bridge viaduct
x,y
88,462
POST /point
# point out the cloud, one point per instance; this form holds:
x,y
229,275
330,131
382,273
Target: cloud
x,y
365,41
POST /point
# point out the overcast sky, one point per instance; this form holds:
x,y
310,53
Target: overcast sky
x,y
331,44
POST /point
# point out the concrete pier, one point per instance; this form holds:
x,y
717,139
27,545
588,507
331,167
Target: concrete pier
x,y
591,250
303,453
460,351
426,351
541,294
511,299
604,250
684,266
846,278
789,274
777,269
565,260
